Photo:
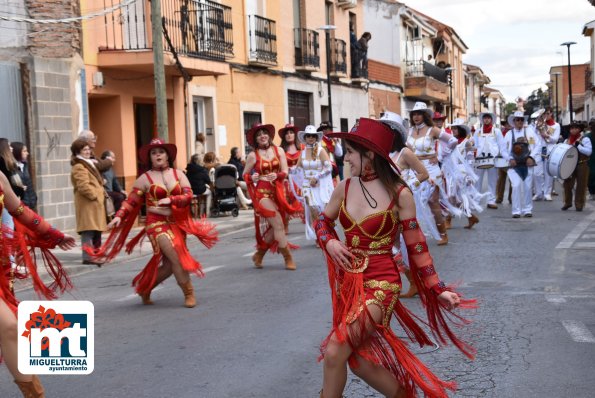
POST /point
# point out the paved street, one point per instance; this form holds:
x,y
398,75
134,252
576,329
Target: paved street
x,y
255,333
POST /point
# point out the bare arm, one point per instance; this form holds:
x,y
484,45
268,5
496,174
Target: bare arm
x,y
415,164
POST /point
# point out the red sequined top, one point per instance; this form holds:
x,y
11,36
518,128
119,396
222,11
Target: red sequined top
x,y
157,192
292,158
264,167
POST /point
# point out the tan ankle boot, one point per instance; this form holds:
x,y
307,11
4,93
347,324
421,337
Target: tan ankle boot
x,y
472,221
448,222
412,287
31,389
258,256
289,264
443,235
188,289
162,275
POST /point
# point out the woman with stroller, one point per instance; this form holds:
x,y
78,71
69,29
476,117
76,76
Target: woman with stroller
x,y
374,207
313,176
167,195
32,231
266,171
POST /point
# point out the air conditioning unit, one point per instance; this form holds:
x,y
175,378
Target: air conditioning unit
x,y
346,4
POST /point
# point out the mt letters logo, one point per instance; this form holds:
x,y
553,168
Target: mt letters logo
x,y
56,337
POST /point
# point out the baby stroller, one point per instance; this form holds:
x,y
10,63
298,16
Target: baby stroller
x,y
225,197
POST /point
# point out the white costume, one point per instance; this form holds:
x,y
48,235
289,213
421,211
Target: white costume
x,y
488,145
312,197
522,203
543,180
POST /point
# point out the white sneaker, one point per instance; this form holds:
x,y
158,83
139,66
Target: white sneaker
x,y
537,198
548,198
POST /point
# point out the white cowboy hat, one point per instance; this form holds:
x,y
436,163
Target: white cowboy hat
x,y
395,122
458,122
515,115
490,114
310,130
421,107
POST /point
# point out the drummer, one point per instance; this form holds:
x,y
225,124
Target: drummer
x,y
488,140
520,150
548,136
580,176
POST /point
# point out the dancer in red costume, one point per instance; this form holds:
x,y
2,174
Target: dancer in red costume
x,y
293,150
167,195
373,209
266,170
31,232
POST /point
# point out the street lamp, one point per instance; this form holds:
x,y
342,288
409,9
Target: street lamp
x,y
449,71
568,44
327,33
556,74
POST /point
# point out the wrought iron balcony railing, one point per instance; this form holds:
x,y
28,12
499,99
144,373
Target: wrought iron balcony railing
x,y
306,48
197,28
263,40
423,68
338,56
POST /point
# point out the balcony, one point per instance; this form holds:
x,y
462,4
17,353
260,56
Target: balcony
x,y
262,36
426,81
338,58
199,32
307,56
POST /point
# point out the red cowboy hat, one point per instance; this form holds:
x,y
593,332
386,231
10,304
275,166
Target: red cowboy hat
x,y
143,152
269,128
438,116
284,130
372,134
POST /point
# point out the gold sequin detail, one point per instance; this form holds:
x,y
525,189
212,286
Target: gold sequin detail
x,y
419,248
156,224
380,295
382,242
20,210
355,241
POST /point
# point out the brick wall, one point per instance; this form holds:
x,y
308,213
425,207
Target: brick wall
x,y
385,73
384,100
60,40
51,133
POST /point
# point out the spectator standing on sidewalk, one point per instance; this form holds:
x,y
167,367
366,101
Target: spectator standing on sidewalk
x,y
111,184
21,154
91,138
40,233
8,167
89,197
198,176
236,160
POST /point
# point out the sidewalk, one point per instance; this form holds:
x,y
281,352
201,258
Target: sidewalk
x,y
72,260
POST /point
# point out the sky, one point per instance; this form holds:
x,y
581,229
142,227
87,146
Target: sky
x,y
515,42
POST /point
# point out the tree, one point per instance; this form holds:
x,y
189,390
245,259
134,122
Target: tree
x,y
509,108
537,100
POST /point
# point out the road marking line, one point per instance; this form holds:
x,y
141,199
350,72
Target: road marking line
x,y
576,232
555,299
236,231
579,332
588,236
248,254
213,268
584,245
134,295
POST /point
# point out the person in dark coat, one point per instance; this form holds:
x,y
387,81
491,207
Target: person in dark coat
x,y
110,182
21,155
199,179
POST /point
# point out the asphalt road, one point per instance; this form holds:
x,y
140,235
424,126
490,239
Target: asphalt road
x,y
255,333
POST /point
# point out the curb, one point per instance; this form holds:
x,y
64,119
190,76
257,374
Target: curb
x,y
72,260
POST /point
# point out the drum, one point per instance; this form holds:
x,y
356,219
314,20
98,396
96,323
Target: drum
x,y
562,161
484,163
500,162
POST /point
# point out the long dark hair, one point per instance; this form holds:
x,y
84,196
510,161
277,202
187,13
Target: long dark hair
x,y
462,133
17,150
6,155
284,144
387,176
427,118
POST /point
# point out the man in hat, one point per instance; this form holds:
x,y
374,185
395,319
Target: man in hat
x,y
580,176
520,150
488,140
549,133
502,176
